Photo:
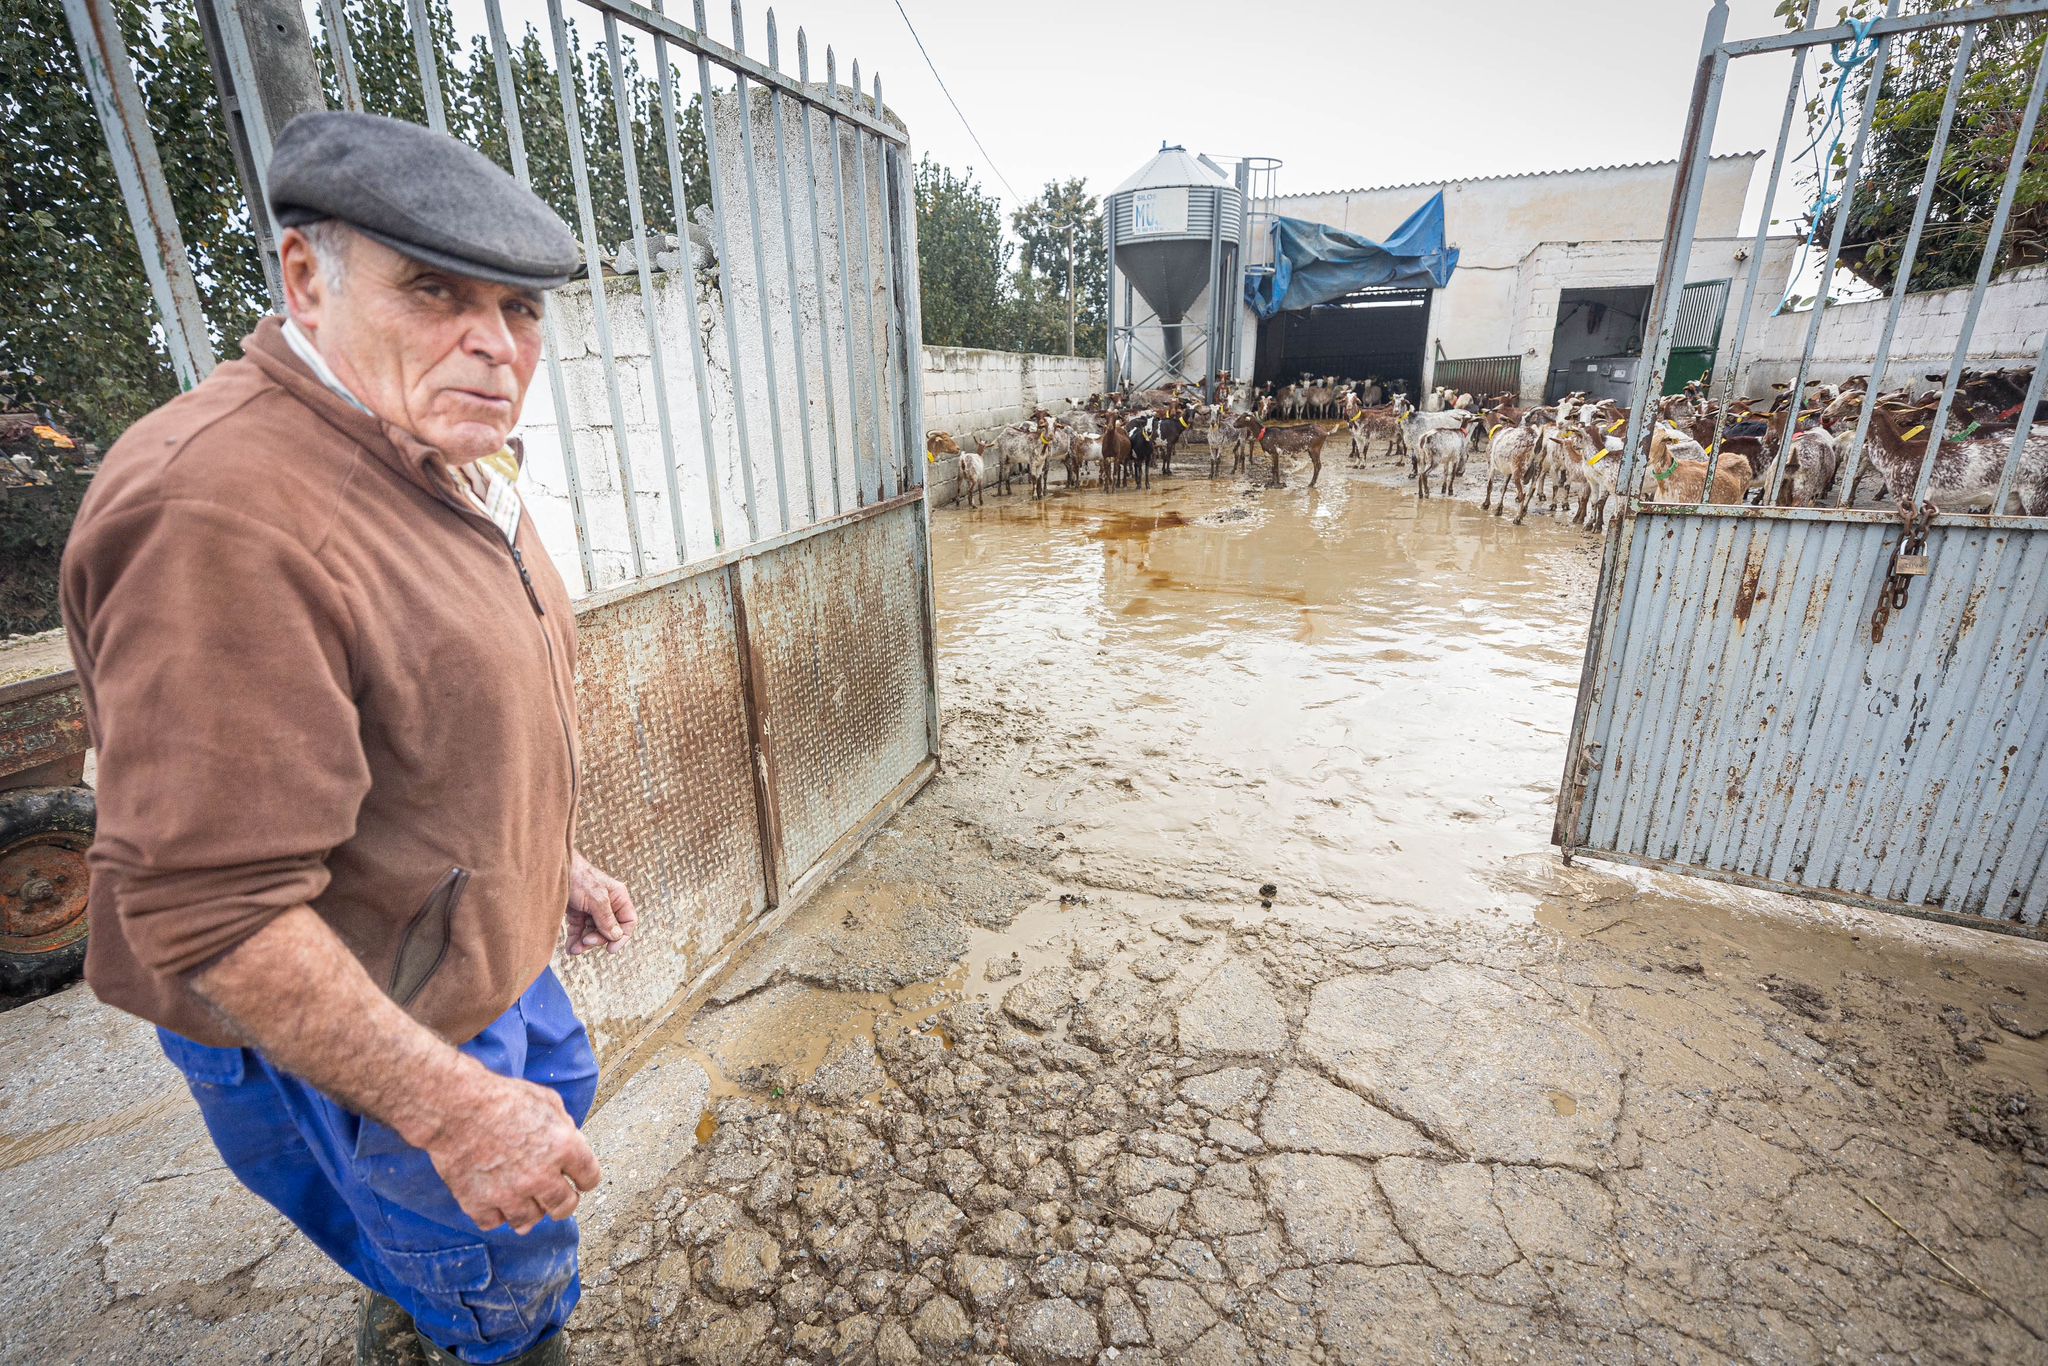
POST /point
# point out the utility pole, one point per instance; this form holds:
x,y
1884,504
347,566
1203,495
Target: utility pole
x,y
1070,280
262,58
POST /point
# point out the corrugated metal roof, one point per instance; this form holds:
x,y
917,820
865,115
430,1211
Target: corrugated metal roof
x,y
1173,166
1509,175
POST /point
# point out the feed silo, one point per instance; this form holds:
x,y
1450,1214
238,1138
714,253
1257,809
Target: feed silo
x,y
1175,235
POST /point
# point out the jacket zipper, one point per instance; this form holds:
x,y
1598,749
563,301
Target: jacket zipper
x,y
547,643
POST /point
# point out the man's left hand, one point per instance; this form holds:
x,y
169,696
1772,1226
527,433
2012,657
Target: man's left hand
x,y
601,913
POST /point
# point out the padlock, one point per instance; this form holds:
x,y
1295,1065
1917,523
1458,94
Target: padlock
x,y
1909,565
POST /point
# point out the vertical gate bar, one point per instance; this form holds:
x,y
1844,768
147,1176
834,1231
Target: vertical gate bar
x,y
124,123
774,391
421,23
234,44
740,583
860,493
629,163
551,345
1681,220
680,201
796,313
1756,250
593,257
913,302
867,294
898,474
1881,362
1677,253
724,245
1937,429
913,347
2022,430
803,74
1873,92
334,19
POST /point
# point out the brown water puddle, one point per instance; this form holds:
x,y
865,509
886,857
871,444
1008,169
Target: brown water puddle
x,y
1338,690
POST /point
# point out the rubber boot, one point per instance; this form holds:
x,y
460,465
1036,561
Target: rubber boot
x,y
553,1351
385,1335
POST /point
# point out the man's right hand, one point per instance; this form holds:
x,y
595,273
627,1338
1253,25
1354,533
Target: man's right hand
x,y
510,1153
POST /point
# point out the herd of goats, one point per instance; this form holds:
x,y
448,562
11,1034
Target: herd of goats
x,y
1557,455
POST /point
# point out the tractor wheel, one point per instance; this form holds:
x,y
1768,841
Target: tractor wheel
x,y
44,833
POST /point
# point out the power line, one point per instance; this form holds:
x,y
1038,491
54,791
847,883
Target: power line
x,y
1018,198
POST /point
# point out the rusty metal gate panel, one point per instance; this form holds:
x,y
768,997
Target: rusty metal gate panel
x,y
667,784
840,631
1749,729
1846,702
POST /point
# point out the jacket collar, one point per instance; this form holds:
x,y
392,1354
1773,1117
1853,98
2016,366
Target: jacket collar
x,y
398,448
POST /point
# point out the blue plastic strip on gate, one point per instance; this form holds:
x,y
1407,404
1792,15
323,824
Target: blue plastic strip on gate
x,y
1313,263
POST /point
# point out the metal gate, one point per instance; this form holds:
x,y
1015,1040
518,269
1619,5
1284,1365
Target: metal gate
x,y
1831,700
725,459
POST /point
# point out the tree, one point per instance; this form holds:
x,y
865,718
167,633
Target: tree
x,y
1982,144
961,259
77,319
1061,231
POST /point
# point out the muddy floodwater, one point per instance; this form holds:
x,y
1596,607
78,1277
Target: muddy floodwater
x,y
1220,1001
1357,698
1223,1000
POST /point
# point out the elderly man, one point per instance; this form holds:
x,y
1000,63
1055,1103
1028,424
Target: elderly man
x,y
330,675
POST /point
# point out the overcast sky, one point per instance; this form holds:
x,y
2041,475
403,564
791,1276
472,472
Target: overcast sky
x,y
1347,93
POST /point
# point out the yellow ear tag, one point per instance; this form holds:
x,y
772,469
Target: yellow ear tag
x,y
1909,435
1617,426
1598,458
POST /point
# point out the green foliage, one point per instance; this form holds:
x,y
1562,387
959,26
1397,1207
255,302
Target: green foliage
x,y
1982,144
387,71
1044,226
77,313
973,296
961,260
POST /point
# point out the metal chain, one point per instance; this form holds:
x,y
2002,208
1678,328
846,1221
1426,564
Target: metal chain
x,y
1909,562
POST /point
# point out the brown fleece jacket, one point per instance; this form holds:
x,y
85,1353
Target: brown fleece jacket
x,y
316,676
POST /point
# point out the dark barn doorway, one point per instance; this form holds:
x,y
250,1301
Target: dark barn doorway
x,y
1373,333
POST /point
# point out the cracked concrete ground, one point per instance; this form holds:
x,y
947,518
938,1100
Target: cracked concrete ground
x,y
1220,1002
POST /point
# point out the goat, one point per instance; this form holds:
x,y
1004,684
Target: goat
x,y
1678,471
1513,456
1303,440
1968,468
1116,451
1441,447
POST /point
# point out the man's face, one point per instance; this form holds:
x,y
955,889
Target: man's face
x,y
446,357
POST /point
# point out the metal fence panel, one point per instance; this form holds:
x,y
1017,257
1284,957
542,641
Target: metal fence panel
x,y
668,793
1481,374
1755,732
1844,703
839,627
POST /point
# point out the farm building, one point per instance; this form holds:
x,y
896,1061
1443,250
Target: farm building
x,y
1554,271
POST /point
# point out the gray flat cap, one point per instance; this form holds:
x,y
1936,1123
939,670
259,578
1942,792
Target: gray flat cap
x,y
421,193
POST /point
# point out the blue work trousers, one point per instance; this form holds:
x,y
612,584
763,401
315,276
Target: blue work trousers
x,y
378,1207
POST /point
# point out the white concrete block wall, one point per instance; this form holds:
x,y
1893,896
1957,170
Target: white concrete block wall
x,y
2010,328
968,390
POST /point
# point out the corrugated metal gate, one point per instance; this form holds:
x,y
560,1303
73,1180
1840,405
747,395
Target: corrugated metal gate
x,y
1765,701
752,558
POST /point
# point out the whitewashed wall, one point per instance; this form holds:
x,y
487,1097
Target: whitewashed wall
x,y
966,390
2009,331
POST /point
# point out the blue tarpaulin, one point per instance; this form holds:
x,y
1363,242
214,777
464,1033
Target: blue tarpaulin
x,y
1315,264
